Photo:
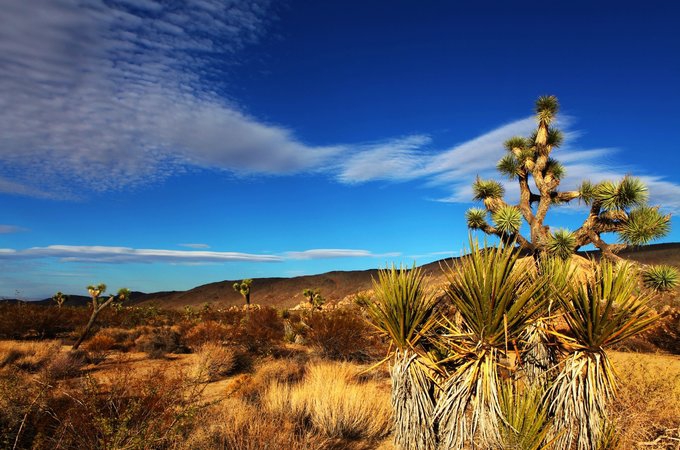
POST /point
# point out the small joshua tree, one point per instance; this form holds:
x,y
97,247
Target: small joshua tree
x,y
95,292
314,298
243,288
615,206
59,299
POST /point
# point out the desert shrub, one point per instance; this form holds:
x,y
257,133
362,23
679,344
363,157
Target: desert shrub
x,y
159,342
62,366
31,321
343,334
124,411
17,401
334,401
100,343
215,361
208,331
260,331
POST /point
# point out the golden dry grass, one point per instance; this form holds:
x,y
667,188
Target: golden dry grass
x,y
335,402
647,412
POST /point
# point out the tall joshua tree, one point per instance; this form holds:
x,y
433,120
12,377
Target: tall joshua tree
x,y
615,206
314,298
97,307
243,288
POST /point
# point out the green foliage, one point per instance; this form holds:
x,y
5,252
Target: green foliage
x,y
476,218
555,168
402,308
547,107
484,189
509,166
644,225
607,309
507,219
59,298
516,142
561,244
661,278
627,193
587,192
314,298
555,137
527,421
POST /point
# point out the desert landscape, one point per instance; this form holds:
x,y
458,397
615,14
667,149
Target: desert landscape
x,y
197,374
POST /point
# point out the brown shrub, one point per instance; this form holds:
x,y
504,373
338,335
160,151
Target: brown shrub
x,y
62,366
260,330
208,331
342,334
35,356
281,370
159,342
124,411
215,361
100,343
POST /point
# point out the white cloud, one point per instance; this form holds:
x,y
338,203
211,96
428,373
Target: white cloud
x,y
109,254
106,254
106,95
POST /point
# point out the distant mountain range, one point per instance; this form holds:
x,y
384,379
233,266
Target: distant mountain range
x,y
334,286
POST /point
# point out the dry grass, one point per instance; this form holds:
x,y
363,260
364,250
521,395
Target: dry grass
x,y
648,406
28,356
334,401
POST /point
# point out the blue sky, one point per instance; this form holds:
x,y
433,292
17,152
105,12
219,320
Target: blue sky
x,y
161,145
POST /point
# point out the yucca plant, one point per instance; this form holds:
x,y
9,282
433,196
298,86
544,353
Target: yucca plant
x,y
496,301
527,421
598,313
661,278
404,310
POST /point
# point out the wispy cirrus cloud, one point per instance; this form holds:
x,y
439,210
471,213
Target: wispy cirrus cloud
x,y
114,255
9,229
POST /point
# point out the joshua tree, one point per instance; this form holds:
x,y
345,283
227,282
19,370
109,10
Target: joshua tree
x,y
59,298
314,298
243,288
95,292
615,206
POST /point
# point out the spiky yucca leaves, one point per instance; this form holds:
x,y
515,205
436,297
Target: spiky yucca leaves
x,y
476,218
484,189
644,225
509,166
403,310
627,193
601,312
507,219
527,422
561,243
546,108
661,278
496,302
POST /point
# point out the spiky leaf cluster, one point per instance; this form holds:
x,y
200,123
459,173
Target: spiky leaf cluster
x,y
476,218
561,244
644,224
547,107
509,166
555,168
484,189
507,219
627,193
661,278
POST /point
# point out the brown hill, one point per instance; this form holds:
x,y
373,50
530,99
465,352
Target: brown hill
x,y
334,286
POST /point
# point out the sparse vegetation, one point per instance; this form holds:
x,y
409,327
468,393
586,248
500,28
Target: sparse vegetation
x,y
95,292
243,288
